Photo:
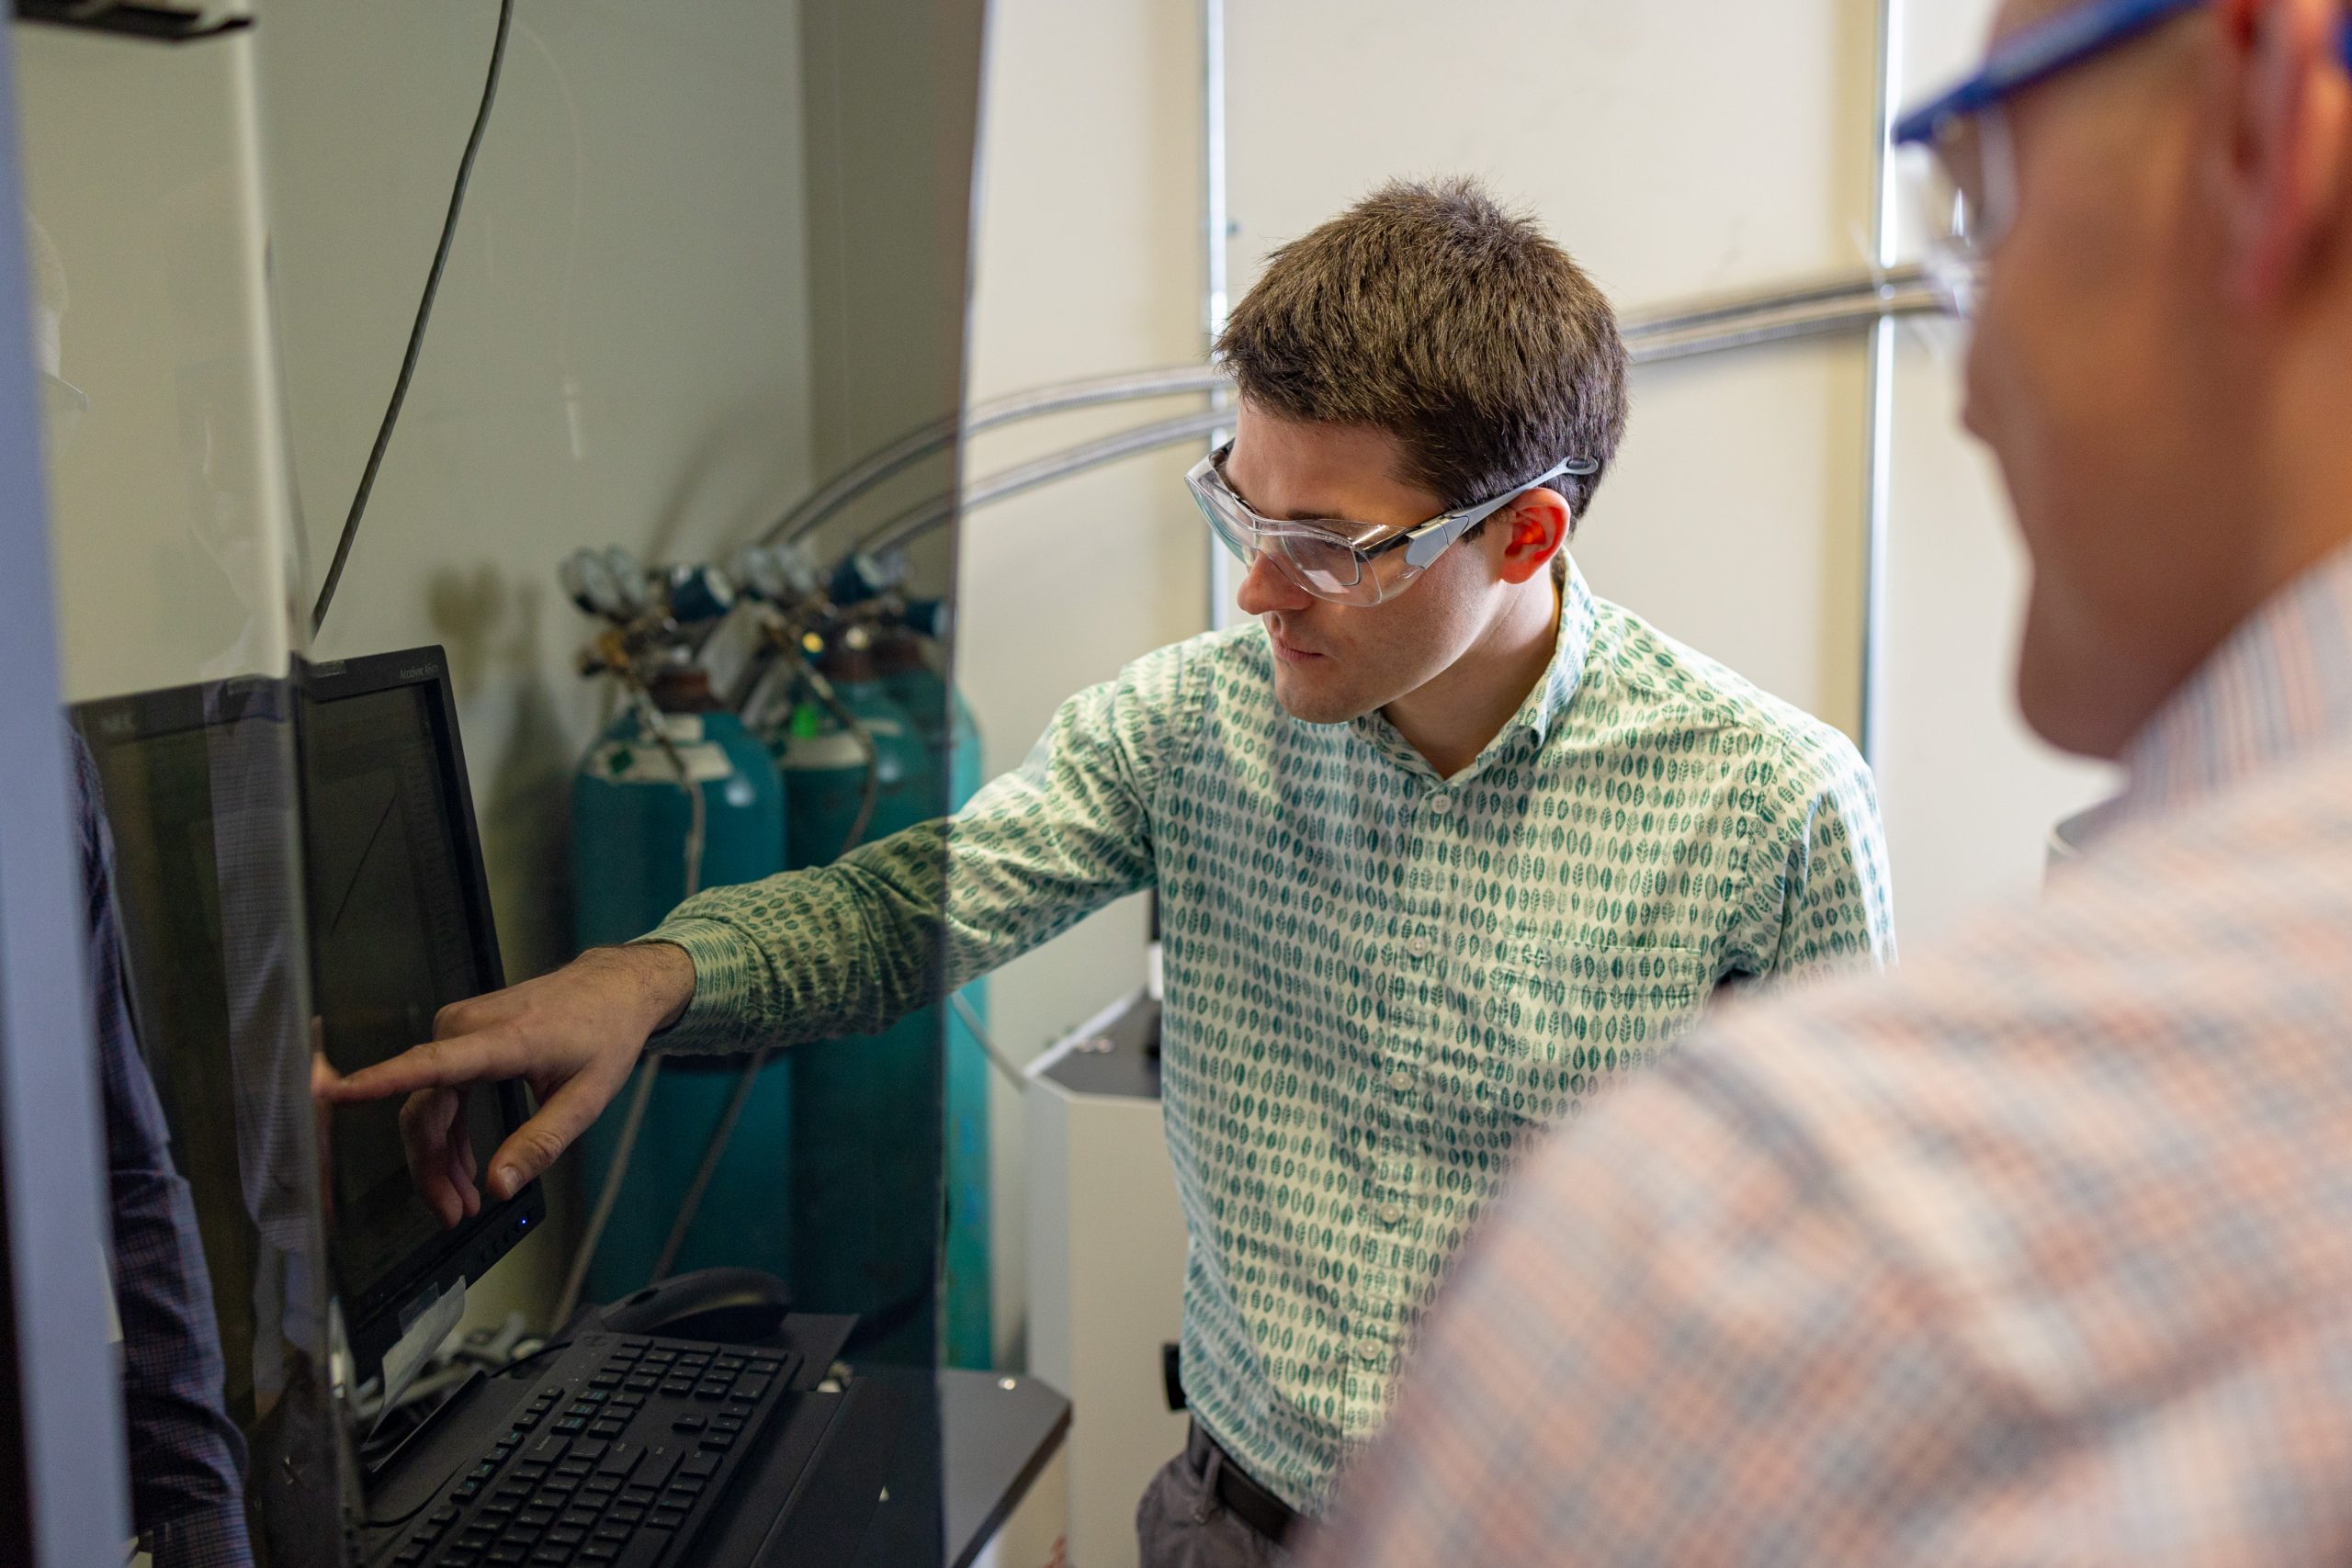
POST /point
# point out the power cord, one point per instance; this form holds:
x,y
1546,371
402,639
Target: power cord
x,y
416,331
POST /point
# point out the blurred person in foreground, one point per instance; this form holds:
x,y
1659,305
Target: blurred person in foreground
x,y
2041,1251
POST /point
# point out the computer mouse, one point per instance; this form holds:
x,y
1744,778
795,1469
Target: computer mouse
x,y
727,1306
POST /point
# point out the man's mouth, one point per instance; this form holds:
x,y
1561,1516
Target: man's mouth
x,y
1288,651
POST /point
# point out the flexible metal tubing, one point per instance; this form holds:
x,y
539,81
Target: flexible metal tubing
x,y
1766,319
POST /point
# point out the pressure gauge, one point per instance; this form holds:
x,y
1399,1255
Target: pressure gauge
x,y
587,578
801,579
760,574
628,578
698,592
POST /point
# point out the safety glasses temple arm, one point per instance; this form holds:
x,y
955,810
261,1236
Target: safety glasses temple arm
x,y
1425,544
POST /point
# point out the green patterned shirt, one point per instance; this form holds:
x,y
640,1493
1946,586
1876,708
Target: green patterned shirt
x,y
1379,982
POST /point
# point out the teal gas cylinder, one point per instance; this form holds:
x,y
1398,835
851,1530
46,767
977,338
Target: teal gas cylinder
x,y
629,824
866,1181
951,744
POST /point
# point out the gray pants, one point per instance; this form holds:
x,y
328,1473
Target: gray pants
x,y
1180,1523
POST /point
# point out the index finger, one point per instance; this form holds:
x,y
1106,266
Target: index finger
x,y
487,1058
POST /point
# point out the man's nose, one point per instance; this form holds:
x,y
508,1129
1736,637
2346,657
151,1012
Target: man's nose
x,y
1264,590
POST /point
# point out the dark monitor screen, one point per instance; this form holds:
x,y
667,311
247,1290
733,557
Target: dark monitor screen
x,y
399,925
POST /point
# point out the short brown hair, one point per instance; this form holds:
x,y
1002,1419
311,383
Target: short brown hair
x,y
1428,311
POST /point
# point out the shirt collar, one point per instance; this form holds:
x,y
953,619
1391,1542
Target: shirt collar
x,y
2280,686
1546,701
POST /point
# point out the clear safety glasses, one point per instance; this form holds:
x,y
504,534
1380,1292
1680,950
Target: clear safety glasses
x,y
1347,563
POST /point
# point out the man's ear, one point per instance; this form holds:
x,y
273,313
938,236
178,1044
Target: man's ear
x,y
2282,102
1535,527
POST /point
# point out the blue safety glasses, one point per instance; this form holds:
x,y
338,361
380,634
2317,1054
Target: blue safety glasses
x,y
1966,178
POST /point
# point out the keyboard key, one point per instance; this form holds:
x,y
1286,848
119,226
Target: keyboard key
x,y
560,1536
547,1447
474,1537
457,1558
573,1464
591,1451
644,1551
442,1517
411,1555
551,1556
535,1518
577,1517
628,1401
465,1490
509,1552
699,1464
627,1515
659,1460
572,1426
620,1458
598,1551
609,1428
638,1496
751,1389
720,1441
711,1391
689,1424
665,1518
725,1423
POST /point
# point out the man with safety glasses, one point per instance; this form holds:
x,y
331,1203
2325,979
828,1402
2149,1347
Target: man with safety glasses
x,y
1445,847
2040,1251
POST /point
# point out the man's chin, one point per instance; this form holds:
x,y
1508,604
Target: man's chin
x,y
1302,700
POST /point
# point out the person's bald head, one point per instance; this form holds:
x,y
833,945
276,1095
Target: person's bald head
x,y
2163,360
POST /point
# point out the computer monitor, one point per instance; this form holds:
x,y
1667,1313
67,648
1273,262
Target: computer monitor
x,y
398,924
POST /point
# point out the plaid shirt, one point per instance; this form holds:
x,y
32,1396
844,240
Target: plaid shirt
x,y
2041,1252
1379,981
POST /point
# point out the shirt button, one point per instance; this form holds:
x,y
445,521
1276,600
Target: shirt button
x,y
1371,1352
1401,1081
1392,1213
1419,947
1440,803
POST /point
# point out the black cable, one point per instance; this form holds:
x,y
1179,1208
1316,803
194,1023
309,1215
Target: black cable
x,y
416,331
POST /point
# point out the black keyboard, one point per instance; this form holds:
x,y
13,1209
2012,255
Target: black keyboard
x,y
616,1460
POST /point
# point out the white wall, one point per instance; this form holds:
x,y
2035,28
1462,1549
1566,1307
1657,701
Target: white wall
x,y
172,551
1088,261
619,354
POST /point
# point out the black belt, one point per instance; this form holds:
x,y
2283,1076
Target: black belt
x,y
1231,1485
